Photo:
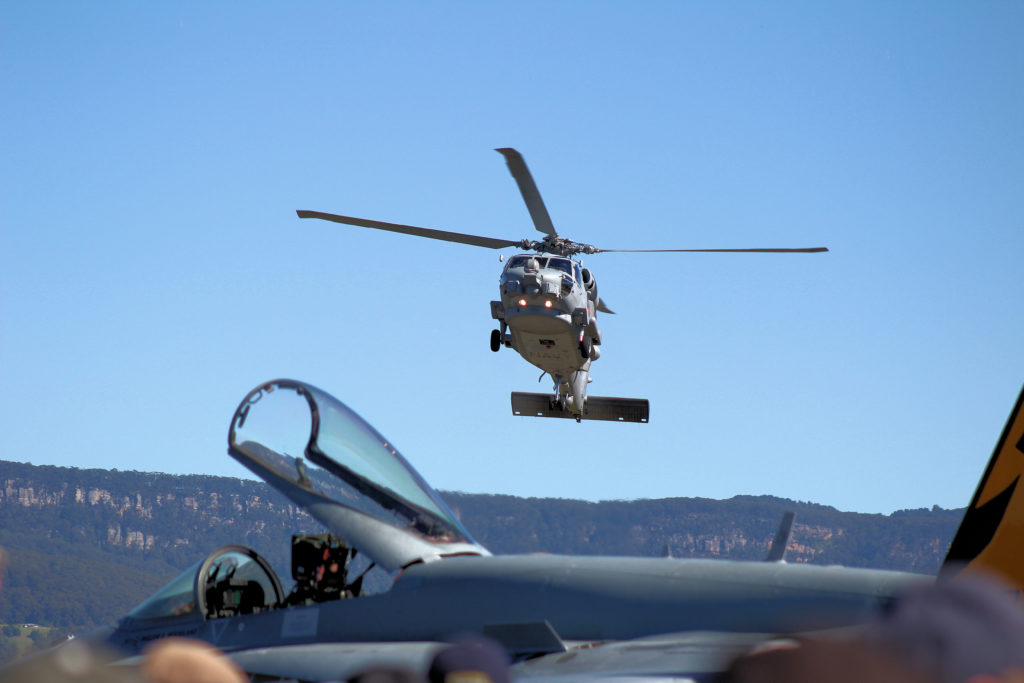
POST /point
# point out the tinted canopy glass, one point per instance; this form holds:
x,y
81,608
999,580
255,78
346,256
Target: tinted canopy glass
x,y
176,598
345,459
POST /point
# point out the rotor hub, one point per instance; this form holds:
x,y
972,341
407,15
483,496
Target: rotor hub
x,y
553,244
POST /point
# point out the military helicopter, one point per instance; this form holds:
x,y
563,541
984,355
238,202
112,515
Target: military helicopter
x,y
548,306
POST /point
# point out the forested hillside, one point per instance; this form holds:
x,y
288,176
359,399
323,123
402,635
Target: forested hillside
x,y
84,546
738,528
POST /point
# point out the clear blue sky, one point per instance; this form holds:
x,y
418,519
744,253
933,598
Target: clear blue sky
x,y
152,268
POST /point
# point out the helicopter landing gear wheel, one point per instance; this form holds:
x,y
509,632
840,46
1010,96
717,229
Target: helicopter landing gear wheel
x,y
495,340
585,347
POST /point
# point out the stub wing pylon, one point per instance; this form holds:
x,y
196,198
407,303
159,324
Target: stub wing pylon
x,y
608,408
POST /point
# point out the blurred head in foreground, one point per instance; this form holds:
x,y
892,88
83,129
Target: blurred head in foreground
x,y
182,660
475,660
956,628
967,629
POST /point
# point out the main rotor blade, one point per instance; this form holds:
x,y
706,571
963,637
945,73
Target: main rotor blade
x,y
528,188
475,240
807,250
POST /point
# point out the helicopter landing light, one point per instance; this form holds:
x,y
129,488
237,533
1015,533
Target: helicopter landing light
x,y
547,304
522,302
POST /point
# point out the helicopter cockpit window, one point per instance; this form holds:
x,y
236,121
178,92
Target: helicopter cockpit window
x,y
562,264
577,273
517,262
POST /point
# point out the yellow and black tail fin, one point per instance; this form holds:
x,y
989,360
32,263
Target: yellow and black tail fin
x,y
991,534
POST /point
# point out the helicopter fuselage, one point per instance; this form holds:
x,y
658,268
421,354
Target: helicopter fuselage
x,y
547,313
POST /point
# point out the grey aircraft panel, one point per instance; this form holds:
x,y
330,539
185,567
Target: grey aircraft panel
x,y
691,656
583,599
591,599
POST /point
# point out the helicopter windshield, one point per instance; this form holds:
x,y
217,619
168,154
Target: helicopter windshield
x,y
346,460
518,261
562,264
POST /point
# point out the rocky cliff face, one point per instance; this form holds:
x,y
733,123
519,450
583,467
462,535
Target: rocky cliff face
x,y
739,528
145,511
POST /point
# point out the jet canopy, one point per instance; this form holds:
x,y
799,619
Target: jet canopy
x,y
328,460
231,580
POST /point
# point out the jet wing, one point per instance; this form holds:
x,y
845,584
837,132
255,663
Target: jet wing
x,y
691,656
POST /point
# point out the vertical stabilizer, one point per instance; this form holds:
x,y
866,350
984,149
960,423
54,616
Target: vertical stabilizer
x,y
991,534
777,553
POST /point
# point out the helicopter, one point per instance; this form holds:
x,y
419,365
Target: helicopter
x,y
548,305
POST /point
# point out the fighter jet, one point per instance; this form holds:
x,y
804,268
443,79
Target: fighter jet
x,y
560,618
